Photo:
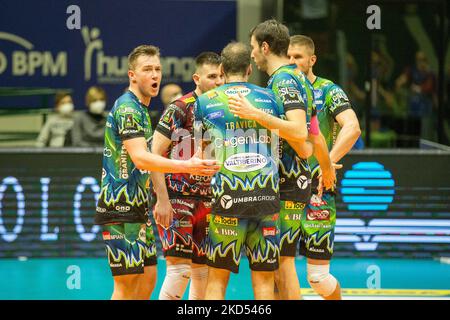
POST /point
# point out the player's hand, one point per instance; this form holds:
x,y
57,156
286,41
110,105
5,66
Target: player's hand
x,y
336,166
241,107
163,213
197,166
328,178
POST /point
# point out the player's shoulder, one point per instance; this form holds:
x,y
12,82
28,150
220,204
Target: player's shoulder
x,y
185,100
260,92
289,75
325,84
209,96
126,103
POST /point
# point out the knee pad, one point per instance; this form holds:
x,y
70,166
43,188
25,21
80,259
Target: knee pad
x,y
175,282
199,279
320,279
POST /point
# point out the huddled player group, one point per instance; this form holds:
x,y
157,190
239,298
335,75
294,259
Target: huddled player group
x,y
230,167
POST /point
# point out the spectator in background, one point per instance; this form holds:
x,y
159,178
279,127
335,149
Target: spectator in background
x,y
170,92
54,132
421,83
89,126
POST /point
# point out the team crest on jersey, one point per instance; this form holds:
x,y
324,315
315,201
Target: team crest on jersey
x,y
129,122
168,115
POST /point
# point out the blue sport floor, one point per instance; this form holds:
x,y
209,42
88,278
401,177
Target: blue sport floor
x,y
359,278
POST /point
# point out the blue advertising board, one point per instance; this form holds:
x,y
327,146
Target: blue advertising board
x,y
41,46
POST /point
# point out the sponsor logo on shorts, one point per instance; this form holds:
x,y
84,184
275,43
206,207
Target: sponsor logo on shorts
x,y
182,224
101,210
122,208
316,201
108,236
226,232
115,265
226,221
185,212
317,226
303,182
245,162
312,249
294,205
184,203
181,247
294,216
207,204
271,231
271,261
142,234
227,201
319,215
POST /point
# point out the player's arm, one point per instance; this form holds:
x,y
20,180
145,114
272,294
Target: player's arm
x,y
144,160
169,122
328,173
293,129
302,147
349,133
163,212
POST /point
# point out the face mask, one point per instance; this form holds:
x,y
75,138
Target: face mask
x,y
66,108
97,107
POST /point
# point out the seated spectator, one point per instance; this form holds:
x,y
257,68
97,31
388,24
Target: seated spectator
x,y
54,132
89,126
421,84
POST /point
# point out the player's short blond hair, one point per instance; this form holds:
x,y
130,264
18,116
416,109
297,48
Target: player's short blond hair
x,y
142,50
301,40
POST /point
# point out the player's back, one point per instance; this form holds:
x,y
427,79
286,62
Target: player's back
x,y
247,183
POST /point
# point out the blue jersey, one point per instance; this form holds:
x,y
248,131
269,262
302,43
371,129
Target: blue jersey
x,y
247,183
125,188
